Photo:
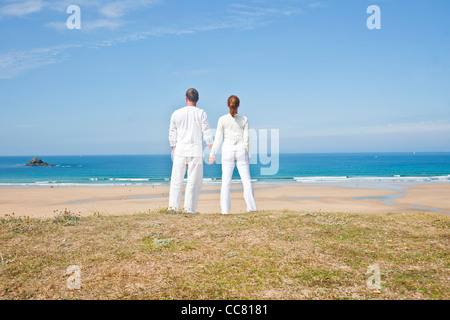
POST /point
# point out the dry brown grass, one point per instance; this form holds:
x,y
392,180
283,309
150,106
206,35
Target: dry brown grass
x,y
262,255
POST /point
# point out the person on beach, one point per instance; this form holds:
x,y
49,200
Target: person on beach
x,y
233,129
185,136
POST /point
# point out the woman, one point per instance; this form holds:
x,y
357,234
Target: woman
x,y
233,128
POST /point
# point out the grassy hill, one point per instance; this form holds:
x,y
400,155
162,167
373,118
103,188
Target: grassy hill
x,y
262,255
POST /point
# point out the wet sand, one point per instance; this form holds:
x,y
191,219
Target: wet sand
x,y
46,201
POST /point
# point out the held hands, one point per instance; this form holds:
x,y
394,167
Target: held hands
x,y
211,160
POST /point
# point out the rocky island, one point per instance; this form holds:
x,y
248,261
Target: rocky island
x,y
35,162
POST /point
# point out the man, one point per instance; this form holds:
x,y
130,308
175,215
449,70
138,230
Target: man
x,y
185,136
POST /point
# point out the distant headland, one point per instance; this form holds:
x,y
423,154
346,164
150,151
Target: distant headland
x,y
36,162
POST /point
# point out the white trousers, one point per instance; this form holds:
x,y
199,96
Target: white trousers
x,y
229,161
194,167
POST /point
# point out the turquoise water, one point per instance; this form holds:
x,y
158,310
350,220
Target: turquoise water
x,y
293,168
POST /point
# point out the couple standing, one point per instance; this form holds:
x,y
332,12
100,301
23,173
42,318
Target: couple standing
x,y
187,125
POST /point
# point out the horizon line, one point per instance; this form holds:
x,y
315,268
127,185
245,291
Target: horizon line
x,y
168,154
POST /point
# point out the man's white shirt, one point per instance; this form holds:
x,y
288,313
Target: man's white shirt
x,y
187,125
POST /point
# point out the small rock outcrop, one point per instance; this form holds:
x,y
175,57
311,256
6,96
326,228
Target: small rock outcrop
x,y
35,162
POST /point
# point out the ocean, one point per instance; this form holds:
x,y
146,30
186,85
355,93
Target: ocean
x,y
139,170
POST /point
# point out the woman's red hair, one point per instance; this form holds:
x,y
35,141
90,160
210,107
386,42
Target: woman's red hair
x,y
233,104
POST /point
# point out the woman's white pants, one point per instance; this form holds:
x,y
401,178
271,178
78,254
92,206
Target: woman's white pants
x,y
194,167
229,161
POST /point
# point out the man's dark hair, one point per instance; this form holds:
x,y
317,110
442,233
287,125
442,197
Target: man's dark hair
x,y
192,95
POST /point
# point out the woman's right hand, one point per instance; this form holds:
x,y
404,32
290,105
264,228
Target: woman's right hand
x,y
211,160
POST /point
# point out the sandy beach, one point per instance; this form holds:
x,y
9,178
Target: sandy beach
x,y
46,201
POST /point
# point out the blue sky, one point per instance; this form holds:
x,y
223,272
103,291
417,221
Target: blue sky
x,y
310,68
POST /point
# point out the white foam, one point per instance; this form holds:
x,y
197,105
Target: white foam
x,y
119,179
320,179
397,178
130,179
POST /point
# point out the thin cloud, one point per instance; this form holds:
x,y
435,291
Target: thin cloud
x,y
102,23
15,62
118,9
252,11
242,17
248,17
20,9
88,26
109,15
316,4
